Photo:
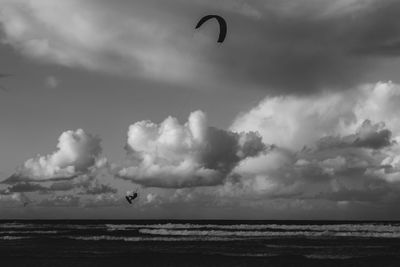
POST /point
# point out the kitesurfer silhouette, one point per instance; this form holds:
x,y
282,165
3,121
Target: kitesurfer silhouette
x,y
131,196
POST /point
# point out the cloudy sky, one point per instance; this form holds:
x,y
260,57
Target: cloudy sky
x,y
295,116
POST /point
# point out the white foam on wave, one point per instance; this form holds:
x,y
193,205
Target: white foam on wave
x,y
266,234
47,226
8,237
140,239
31,232
377,228
328,257
248,254
17,225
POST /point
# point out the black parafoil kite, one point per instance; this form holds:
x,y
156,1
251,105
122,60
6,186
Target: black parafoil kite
x,y
222,25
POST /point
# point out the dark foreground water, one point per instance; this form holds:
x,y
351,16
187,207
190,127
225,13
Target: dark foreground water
x,y
199,243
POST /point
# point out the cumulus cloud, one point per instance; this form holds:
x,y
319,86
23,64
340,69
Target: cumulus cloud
x,y
333,147
327,146
289,46
369,111
170,154
77,153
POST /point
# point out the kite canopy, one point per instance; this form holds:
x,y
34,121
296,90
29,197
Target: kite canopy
x,y
222,25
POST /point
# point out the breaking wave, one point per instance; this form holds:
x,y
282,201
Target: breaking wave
x,y
379,228
8,237
30,232
168,232
50,225
140,239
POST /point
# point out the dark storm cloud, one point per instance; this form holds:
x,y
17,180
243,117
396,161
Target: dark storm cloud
x,y
309,49
26,187
287,46
372,136
368,135
62,186
378,35
17,178
83,185
224,149
221,151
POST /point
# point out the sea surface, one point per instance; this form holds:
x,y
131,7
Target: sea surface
x,y
199,243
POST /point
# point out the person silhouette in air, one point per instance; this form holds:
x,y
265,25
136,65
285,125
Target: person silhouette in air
x,y
131,197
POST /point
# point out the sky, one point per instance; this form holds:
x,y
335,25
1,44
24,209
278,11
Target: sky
x,y
294,116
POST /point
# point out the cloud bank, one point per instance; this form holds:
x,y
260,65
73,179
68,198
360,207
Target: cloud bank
x,y
332,149
327,151
294,122
280,46
336,146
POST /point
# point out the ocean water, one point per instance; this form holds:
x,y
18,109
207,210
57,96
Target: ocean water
x,y
199,243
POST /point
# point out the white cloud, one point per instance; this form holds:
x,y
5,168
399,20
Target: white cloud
x,y
174,155
77,152
348,137
294,122
96,36
338,147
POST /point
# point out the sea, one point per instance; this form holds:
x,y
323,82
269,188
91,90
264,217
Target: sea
x,y
198,243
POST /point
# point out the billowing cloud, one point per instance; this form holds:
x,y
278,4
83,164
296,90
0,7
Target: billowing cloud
x,y
331,149
287,46
369,112
124,38
77,153
327,146
170,154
